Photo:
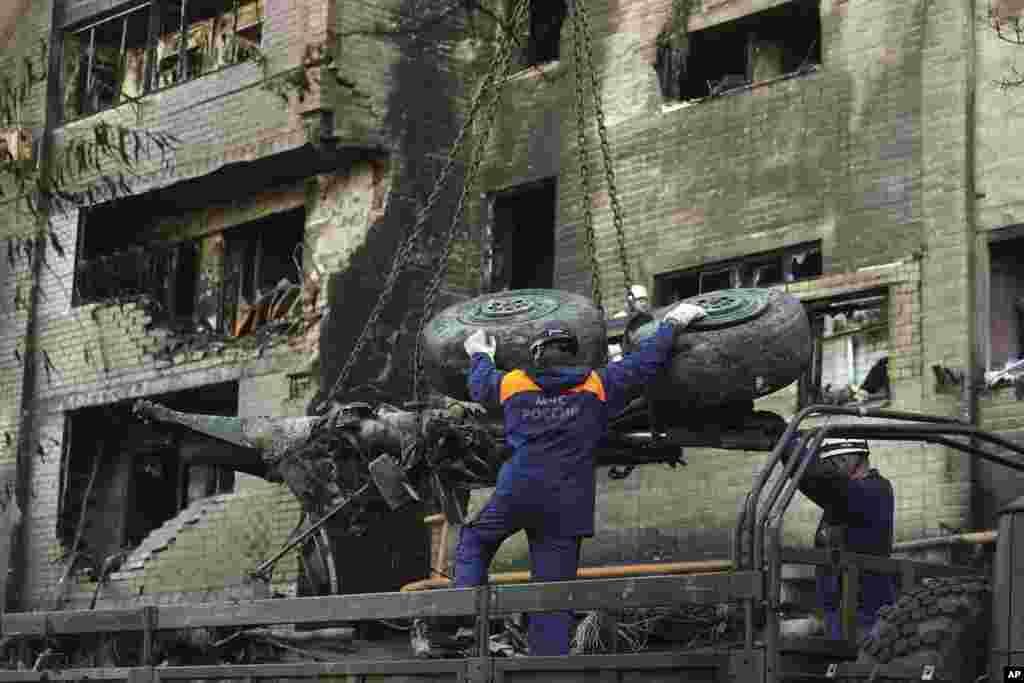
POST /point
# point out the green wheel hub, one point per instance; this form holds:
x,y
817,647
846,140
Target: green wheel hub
x,y
523,305
727,307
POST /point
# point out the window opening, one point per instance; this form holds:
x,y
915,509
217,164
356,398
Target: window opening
x,y
199,36
540,43
523,238
145,475
1006,303
759,270
726,278
107,63
165,273
762,46
258,257
850,361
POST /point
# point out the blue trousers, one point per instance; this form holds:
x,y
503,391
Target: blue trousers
x,y
834,627
552,558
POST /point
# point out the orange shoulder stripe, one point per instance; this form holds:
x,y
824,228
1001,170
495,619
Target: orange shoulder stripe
x,y
516,382
593,384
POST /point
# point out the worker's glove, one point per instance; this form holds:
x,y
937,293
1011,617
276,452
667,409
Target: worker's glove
x,y
683,314
481,342
459,410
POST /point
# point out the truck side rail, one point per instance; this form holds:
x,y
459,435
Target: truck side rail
x,y
484,602
589,594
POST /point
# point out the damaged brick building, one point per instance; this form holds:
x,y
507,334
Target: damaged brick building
x,y
856,154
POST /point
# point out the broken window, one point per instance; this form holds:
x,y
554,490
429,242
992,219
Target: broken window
x,y
120,58
108,269
121,478
105,62
199,36
262,269
850,361
780,41
541,44
522,241
1006,303
255,278
760,270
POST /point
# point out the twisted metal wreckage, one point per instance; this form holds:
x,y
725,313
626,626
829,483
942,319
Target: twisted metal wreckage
x,y
356,457
357,462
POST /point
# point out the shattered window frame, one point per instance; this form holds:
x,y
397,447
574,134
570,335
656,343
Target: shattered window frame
x,y
723,58
857,319
164,273
742,272
93,85
219,34
244,270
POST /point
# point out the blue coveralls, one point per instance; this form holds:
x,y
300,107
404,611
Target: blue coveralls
x,y
554,419
857,515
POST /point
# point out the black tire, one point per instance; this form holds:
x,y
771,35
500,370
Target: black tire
x,y
944,623
514,318
738,353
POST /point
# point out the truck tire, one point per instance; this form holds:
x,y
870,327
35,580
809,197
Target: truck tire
x,y
514,318
753,342
944,623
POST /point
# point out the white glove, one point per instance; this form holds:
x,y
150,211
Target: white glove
x,y
683,314
480,342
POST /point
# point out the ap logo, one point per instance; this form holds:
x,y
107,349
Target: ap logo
x,y
1013,673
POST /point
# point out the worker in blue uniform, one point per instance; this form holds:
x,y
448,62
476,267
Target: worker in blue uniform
x,y
556,412
858,509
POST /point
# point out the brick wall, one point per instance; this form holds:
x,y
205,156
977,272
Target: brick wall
x,y
105,353
867,154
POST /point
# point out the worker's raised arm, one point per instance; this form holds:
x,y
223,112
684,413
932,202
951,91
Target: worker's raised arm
x,y
643,365
484,378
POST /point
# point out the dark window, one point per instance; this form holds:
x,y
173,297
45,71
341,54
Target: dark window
x,y
850,362
258,257
523,238
541,44
124,56
1006,303
121,478
107,269
769,44
760,270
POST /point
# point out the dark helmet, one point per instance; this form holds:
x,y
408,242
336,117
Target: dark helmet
x,y
556,332
841,452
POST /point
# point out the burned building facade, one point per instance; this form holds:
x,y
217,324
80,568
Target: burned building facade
x,y
857,155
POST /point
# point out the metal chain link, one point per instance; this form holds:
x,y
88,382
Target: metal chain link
x,y
503,70
403,253
581,151
606,153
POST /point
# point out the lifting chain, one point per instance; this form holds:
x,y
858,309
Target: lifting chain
x,y
499,74
405,250
584,55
